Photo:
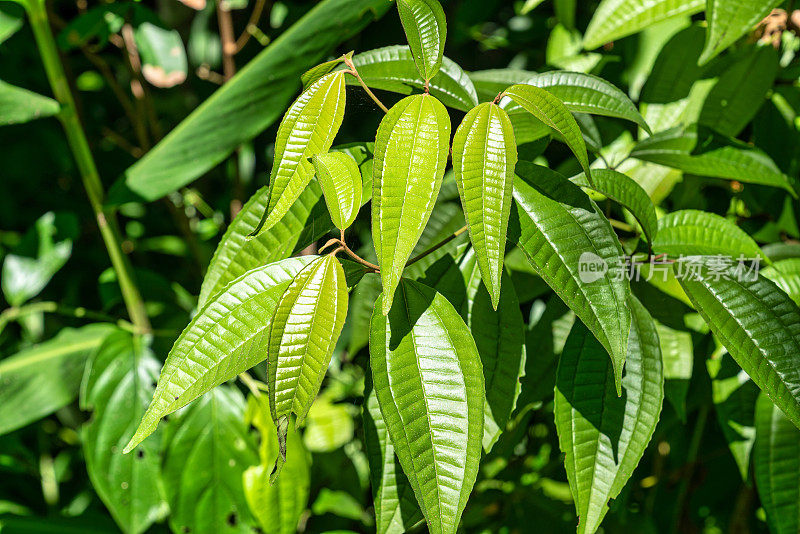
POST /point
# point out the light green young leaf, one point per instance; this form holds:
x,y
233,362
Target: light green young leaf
x,y
728,20
734,396
604,436
306,325
699,150
329,426
551,111
758,324
18,105
305,222
315,73
426,31
40,380
340,180
209,447
695,232
225,338
615,19
396,508
392,69
677,354
247,104
627,193
777,460
277,507
484,157
307,129
429,383
786,275
118,385
561,229
411,149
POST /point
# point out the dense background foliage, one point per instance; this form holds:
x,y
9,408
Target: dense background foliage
x,y
138,69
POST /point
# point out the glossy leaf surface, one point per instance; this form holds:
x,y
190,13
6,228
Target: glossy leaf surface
x,y
411,151
604,436
695,232
677,354
227,336
429,383
759,325
484,158
786,275
426,30
728,20
559,226
340,180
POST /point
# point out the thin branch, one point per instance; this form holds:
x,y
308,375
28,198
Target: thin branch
x,y
354,72
253,21
359,259
438,245
228,40
14,313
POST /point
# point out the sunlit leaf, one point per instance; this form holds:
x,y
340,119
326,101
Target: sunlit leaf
x,y
786,275
340,180
695,232
426,30
728,20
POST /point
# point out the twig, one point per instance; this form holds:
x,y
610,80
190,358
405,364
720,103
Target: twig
x,y
252,384
437,246
253,21
228,40
354,72
691,459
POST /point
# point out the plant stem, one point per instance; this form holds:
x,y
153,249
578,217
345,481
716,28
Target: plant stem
x,y
438,245
358,258
228,39
85,162
691,459
354,72
14,313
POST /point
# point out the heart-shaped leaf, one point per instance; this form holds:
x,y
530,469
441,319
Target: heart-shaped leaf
x,y
225,338
429,383
426,30
340,180
411,150
484,157
604,436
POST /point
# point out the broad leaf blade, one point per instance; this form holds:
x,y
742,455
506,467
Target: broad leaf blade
x,y
307,129
40,380
19,105
392,69
247,104
728,20
551,111
209,449
484,157
561,228
426,30
695,232
614,19
411,151
340,180
228,336
677,353
118,386
777,459
786,275
429,384
758,324
602,435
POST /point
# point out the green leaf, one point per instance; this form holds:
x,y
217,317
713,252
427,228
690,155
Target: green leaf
x,y
308,320
551,111
307,129
446,219
734,396
628,194
329,426
209,450
19,105
584,93
484,157
392,69
677,354
315,73
758,324
615,19
777,460
490,83
695,232
25,275
340,180
305,222
396,508
786,275
246,105
728,20
604,436
426,31
411,149
277,507
118,385
499,334
40,380
11,20
562,229
362,301
163,55
699,150
225,338
429,384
